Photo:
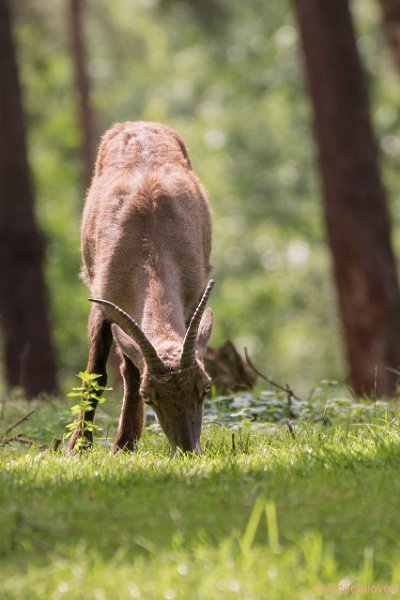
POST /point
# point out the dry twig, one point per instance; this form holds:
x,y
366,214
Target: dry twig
x,y
22,439
285,388
21,420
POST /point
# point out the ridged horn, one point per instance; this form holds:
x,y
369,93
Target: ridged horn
x,y
154,363
188,356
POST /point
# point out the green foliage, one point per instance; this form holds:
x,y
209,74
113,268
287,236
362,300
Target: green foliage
x,y
89,391
263,519
227,75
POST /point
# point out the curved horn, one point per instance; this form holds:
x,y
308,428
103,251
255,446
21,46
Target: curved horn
x,y
189,343
153,361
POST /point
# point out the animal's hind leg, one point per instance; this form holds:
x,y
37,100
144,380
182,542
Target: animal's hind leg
x,y
100,340
132,414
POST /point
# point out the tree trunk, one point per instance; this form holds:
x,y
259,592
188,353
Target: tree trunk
x,y
391,27
28,350
354,198
86,119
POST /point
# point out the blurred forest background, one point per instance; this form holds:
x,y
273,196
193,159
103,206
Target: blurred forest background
x,y
228,76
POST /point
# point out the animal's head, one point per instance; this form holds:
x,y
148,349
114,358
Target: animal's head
x,y
173,380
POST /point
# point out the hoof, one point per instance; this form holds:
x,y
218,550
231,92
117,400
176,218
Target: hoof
x,y
124,445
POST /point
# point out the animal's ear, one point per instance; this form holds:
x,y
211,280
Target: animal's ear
x,y
204,332
128,346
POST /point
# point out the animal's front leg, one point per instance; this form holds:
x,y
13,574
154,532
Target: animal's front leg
x,y
100,340
132,414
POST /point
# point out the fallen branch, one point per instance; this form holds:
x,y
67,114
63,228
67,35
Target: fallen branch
x,y
285,388
21,420
22,439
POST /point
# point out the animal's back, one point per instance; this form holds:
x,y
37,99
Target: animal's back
x,y
144,210
138,144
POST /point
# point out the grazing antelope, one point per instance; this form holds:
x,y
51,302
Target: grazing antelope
x,y
145,241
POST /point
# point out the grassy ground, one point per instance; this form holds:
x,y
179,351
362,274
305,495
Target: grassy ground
x,y
265,513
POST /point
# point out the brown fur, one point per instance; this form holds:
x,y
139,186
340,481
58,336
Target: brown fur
x,y
145,241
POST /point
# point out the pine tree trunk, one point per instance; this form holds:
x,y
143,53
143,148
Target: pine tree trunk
x,y
354,198
391,27
86,118
28,350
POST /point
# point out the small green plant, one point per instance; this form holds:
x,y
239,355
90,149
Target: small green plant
x,y
89,391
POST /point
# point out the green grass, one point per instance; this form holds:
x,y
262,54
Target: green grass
x,y
269,516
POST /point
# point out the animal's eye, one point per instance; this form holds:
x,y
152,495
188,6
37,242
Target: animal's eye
x,y
207,390
147,398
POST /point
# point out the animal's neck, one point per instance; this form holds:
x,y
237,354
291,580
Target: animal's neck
x,y
162,316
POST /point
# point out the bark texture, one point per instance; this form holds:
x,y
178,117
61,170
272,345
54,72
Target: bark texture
x,y
354,198
85,112
28,350
391,27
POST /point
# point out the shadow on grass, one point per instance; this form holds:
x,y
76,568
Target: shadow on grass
x,y
141,505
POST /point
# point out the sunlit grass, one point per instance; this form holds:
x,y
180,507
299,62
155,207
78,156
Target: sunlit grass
x,y
264,514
